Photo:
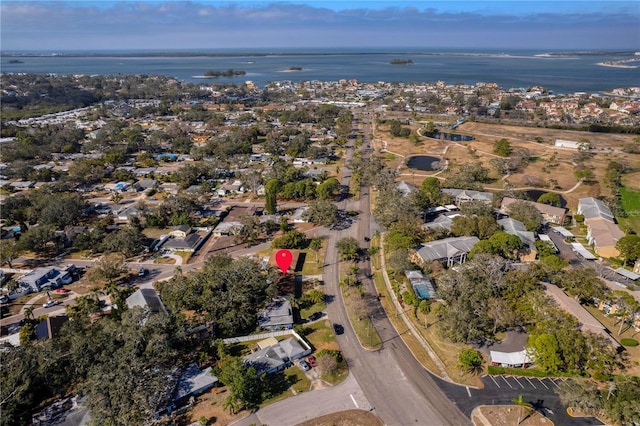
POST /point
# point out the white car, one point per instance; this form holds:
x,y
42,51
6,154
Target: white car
x,y
49,303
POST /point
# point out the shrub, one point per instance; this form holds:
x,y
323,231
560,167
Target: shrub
x,y
629,342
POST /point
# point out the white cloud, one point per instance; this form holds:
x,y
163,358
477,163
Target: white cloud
x,y
26,25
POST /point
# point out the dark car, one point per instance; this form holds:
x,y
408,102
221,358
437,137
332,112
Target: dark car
x,y
315,316
338,328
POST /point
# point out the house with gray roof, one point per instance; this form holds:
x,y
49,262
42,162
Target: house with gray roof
x,y
602,230
461,196
449,250
279,356
443,221
277,315
50,277
147,299
592,208
406,188
193,382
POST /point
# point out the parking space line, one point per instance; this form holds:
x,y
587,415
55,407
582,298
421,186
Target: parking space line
x,y
531,383
517,381
468,391
494,381
554,382
543,384
505,380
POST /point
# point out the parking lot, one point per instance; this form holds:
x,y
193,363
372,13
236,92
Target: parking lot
x,y
522,382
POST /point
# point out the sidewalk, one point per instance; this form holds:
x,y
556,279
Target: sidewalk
x,y
443,373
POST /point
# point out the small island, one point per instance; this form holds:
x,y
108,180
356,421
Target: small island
x,y
228,73
401,62
16,61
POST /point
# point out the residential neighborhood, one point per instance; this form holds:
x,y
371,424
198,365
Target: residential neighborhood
x,y
155,214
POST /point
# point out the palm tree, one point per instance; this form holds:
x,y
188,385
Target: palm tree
x,y
28,312
520,402
315,245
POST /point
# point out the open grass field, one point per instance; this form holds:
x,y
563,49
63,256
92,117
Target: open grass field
x,y
552,167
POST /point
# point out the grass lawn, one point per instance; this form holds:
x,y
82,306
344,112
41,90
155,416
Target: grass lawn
x,y
311,265
356,308
316,307
631,205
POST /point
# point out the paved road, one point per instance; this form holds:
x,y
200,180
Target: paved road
x,y
401,391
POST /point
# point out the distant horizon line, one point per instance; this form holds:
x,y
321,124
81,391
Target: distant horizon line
x,y
292,51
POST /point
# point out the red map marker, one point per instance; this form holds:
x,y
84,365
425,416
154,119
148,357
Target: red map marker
x,y
283,259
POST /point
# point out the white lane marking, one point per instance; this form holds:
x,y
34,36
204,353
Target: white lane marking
x,y
518,381
354,400
505,380
494,381
468,391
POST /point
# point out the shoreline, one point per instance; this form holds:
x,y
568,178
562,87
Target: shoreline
x,y
604,64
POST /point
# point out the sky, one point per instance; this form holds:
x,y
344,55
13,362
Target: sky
x,y
214,25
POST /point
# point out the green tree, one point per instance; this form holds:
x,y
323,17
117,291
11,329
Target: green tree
x,y
271,193
129,241
242,383
108,268
430,188
9,251
328,189
502,147
546,352
527,214
315,245
322,212
507,245
551,198
544,249
293,239
470,361
629,247
348,248
249,231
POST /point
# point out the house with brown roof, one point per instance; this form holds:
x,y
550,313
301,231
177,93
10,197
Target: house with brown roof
x,y
549,213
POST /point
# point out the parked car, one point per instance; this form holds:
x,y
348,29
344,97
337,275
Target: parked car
x,y
49,303
311,360
338,328
315,316
305,367
143,272
61,290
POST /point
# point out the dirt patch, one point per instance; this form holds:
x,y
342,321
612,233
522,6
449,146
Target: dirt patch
x,y
345,418
507,415
211,406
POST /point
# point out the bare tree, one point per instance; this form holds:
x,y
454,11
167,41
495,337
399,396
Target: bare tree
x,y
327,363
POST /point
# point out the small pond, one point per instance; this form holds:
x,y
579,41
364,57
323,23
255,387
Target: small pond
x,y
454,137
423,162
534,194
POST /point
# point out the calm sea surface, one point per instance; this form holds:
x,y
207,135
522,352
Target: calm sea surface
x,y
513,69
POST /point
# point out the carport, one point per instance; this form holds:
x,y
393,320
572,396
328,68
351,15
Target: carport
x,y
627,274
